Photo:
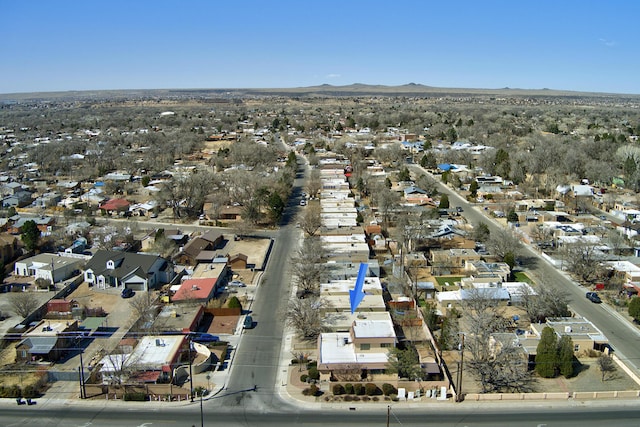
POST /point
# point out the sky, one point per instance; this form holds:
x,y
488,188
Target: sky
x,y
66,45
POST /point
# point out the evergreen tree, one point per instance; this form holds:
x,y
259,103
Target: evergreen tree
x,y
634,308
473,189
546,353
444,202
30,235
565,356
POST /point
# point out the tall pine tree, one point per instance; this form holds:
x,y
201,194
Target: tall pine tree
x,y
546,354
565,356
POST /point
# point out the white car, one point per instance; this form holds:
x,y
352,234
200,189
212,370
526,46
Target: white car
x,y
303,202
237,283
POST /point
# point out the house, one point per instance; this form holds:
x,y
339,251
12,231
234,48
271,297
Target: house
x,y
196,290
47,341
209,241
584,334
155,356
19,199
417,196
51,267
364,348
227,213
115,205
139,272
452,260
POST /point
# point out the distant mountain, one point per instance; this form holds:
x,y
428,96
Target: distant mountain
x,y
355,89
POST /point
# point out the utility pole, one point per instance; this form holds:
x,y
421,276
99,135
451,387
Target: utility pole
x,y
83,391
190,368
460,367
388,414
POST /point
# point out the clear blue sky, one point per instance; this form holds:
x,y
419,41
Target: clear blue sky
x,y
54,45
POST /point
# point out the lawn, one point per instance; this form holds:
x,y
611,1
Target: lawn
x,y
522,277
443,280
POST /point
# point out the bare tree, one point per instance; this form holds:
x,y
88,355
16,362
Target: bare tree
x,y
314,184
304,316
545,302
143,307
309,266
498,364
24,303
502,242
606,365
311,220
582,259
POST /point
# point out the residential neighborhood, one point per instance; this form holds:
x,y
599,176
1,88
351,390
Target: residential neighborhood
x,y
145,282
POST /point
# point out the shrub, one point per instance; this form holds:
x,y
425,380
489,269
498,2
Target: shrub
x,y
356,398
313,390
376,398
358,389
371,389
388,389
348,388
234,302
366,399
304,378
13,391
313,373
135,397
312,364
30,391
348,398
338,389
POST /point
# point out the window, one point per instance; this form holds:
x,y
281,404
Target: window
x,y
111,265
385,345
576,347
365,346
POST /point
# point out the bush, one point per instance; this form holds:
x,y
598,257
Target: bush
x,y
313,390
348,398
358,389
313,373
371,389
234,302
312,364
338,389
13,391
135,397
348,388
388,389
366,399
30,391
304,378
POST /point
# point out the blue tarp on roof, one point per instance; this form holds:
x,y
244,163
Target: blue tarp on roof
x,y
445,166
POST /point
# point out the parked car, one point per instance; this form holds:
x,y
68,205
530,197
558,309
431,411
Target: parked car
x,y
127,293
594,297
303,202
204,337
237,283
248,322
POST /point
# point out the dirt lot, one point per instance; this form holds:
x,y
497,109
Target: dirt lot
x,y
588,378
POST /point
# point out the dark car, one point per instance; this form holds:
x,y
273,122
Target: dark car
x,y
202,337
593,297
127,293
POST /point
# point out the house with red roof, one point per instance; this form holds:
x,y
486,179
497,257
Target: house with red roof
x,y
117,205
196,290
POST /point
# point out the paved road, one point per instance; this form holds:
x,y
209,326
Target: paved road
x,y
623,336
95,414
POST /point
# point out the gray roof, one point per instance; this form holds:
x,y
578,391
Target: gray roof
x,y
39,345
125,263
